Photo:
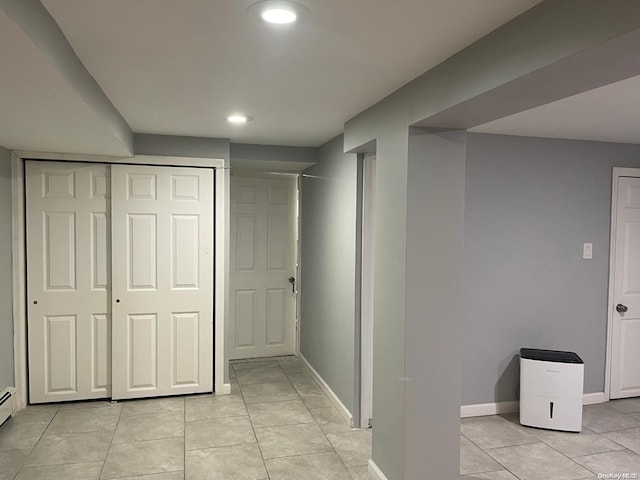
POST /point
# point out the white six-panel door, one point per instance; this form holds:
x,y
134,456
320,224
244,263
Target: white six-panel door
x,y
625,346
146,296
162,222
68,272
263,257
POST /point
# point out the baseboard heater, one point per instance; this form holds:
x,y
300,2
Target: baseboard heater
x,y
7,397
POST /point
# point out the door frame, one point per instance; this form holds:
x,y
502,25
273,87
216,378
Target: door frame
x,y
367,292
19,259
617,173
295,178
298,259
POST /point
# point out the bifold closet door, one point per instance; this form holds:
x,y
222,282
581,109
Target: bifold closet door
x,y
162,272
68,281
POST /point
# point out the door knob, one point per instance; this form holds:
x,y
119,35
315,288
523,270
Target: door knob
x,y
620,308
292,281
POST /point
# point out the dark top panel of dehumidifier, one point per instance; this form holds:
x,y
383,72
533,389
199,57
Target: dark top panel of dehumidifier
x,y
550,355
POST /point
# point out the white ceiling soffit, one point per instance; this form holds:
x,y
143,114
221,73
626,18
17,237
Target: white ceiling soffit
x,y
180,67
609,114
38,109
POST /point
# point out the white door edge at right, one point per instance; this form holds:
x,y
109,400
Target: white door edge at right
x,y
624,298
366,331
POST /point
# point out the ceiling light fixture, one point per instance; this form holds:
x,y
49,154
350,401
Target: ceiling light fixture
x,y
238,119
279,16
279,12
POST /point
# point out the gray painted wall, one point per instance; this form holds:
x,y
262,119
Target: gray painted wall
x,y
390,224
276,157
328,274
530,205
38,24
6,311
177,146
495,72
434,313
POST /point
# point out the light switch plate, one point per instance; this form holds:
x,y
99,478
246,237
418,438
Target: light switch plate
x,y
587,251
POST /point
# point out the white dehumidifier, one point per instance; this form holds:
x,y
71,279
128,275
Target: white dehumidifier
x,y
551,389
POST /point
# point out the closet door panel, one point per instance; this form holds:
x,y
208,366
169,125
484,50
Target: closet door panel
x,y
162,254
68,292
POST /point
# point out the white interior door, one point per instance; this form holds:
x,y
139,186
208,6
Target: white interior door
x,y
68,281
625,346
263,256
162,250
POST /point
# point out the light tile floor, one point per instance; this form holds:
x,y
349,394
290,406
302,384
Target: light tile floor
x,y
499,448
277,424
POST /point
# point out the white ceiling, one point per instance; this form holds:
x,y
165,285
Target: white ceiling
x,y
179,67
610,114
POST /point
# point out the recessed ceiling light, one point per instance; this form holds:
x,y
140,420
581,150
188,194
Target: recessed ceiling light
x,y
279,12
279,16
238,119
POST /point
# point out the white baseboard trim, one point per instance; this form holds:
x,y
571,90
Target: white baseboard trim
x,y
593,398
374,472
226,389
344,411
484,409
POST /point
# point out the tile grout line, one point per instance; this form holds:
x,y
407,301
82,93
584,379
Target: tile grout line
x,y
148,440
147,474
611,451
253,428
104,463
215,447
184,438
605,451
37,443
333,450
324,434
544,443
336,453
504,467
59,434
570,459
